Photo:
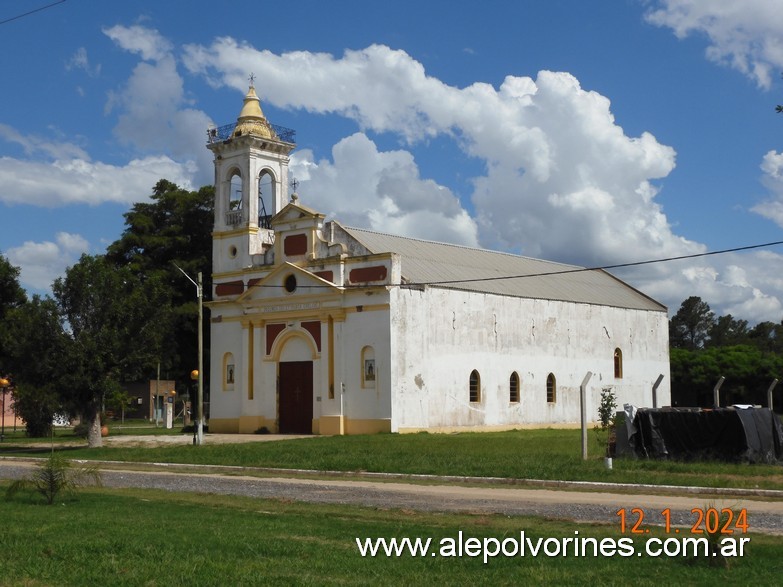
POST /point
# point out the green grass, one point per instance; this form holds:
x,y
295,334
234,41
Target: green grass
x,y
132,537
64,434
551,454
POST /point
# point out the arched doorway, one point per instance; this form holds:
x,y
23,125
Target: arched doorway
x,y
296,397
295,384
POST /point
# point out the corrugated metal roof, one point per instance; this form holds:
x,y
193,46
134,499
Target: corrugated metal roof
x,y
480,270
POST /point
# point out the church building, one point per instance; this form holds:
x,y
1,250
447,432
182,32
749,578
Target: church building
x,y
326,329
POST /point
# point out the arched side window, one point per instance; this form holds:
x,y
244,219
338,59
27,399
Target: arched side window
x,y
475,386
369,369
235,192
267,187
234,214
551,389
618,363
228,371
513,388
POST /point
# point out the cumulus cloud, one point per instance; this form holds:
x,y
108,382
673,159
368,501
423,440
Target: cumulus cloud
x,y
146,42
33,145
78,181
772,207
42,262
747,35
555,157
153,112
385,194
562,179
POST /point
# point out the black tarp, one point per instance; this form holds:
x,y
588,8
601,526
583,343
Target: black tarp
x,y
752,435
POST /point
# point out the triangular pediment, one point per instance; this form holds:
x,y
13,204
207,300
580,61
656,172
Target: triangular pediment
x,y
294,211
286,281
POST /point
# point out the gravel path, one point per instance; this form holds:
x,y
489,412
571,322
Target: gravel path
x,y
764,515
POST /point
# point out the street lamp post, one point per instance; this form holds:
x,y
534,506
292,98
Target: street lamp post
x,y
199,437
4,383
195,376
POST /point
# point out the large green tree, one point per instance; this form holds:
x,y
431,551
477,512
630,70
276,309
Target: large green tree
x,y
727,331
116,322
11,293
11,296
37,359
173,228
690,327
113,317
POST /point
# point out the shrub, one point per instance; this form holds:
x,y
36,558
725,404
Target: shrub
x,y
54,476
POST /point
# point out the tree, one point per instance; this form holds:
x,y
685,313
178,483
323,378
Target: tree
x,y
36,359
691,325
11,293
116,324
727,331
174,227
767,336
113,317
119,399
11,296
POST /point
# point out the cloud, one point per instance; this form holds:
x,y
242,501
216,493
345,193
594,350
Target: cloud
x,y
553,152
79,60
153,112
146,42
35,145
42,262
65,182
562,179
383,191
747,35
772,207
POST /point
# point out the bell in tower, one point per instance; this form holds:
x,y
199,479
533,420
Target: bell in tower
x,y
251,184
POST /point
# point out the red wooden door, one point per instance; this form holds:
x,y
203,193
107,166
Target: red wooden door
x,y
296,397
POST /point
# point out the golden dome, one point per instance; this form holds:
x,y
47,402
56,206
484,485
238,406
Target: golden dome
x,y
251,119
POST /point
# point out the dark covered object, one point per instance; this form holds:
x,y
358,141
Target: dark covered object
x,y
752,435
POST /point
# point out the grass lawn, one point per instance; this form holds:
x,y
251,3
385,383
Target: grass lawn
x,y
552,454
131,537
65,434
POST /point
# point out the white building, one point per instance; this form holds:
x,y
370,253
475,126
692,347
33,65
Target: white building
x,y
317,327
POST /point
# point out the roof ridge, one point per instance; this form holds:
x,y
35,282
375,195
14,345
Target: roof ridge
x,y
466,247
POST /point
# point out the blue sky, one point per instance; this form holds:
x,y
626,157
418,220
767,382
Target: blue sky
x,y
579,131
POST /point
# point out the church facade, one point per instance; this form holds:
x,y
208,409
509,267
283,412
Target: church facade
x,y
321,328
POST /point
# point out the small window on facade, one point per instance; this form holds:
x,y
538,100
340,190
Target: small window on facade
x,y
475,387
228,371
551,389
369,369
618,364
513,388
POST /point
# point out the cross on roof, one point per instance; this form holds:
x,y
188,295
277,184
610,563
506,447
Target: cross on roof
x,y
252,79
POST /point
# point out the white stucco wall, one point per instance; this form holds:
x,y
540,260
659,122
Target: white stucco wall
x,y
368,328
439,336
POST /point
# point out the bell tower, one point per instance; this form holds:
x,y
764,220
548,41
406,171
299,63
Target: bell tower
x,y
251,184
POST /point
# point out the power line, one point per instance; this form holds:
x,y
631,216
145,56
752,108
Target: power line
x,y
549,273
31,12
607,267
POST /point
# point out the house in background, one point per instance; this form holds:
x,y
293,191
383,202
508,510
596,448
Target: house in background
x,y
322,328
